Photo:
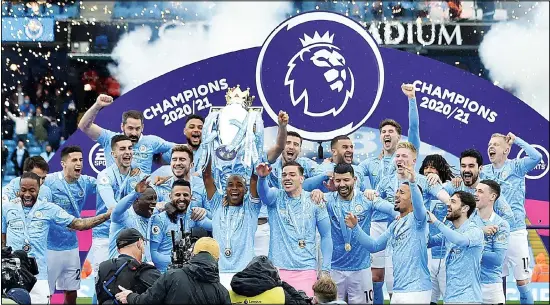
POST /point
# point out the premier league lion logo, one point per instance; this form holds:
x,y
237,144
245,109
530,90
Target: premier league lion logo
x,y
319,58
309,67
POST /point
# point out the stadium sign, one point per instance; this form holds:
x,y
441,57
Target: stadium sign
x,y
399,33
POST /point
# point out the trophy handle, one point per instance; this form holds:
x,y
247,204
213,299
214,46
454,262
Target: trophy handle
x,y
218,108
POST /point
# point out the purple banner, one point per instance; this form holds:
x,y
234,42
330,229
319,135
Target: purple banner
x,y
329,75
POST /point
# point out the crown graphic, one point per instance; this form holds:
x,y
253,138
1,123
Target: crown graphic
x,y
326,38
236,95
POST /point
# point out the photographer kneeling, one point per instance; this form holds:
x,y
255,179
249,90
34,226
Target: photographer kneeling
x,y
197,282
259,283
126,270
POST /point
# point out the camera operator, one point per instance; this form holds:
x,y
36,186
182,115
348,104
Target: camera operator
x,y
198,282
126,270
259,283
18,276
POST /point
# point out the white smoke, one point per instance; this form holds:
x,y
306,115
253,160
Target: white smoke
x,y
233,26
516,55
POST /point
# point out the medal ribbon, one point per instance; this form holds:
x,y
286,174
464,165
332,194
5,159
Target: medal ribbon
x,y
70,195
300,230
138,221
27,219
232,224
346,232
121,183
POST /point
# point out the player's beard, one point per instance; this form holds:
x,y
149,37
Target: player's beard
x,y
345,191
473,178
454,215
180,206
190,143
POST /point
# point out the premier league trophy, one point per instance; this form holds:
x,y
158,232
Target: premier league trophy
x,y
232,138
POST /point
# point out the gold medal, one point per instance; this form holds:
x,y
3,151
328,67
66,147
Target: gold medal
x,y
302,243
347,247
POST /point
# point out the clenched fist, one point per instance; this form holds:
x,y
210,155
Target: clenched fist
x,y
409,90
103,100
283,118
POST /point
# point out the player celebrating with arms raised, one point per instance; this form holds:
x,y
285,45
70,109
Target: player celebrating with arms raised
x,y
234,221
294,220
510,174
408,237
145,146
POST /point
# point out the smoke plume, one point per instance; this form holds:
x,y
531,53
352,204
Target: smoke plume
x,y
231,27
516,55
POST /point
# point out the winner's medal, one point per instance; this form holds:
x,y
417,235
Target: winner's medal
x,y
347,247
27,247
227,252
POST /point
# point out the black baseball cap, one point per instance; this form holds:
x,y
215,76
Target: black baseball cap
x,y
127,237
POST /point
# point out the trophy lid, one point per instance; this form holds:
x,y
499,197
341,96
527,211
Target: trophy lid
x,y
236,96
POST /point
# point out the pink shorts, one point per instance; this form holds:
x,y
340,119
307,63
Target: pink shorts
x,y
300,280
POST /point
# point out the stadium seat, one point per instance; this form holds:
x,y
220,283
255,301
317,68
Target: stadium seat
x,y
10,143
53,10
18,10
69,11
35,151
5,9
101,43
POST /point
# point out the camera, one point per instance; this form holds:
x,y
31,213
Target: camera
x,y
18,270
182,249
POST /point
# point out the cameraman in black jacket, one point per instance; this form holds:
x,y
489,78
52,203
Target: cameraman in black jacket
x,y
126,270
198,282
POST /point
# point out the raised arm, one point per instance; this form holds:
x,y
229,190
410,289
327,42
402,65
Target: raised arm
x,y
326,242
268,196
419,210
452,235
365,240
123,205
414,129
533,156
208,180
11,116
87,124
384,206
254,186
275,151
